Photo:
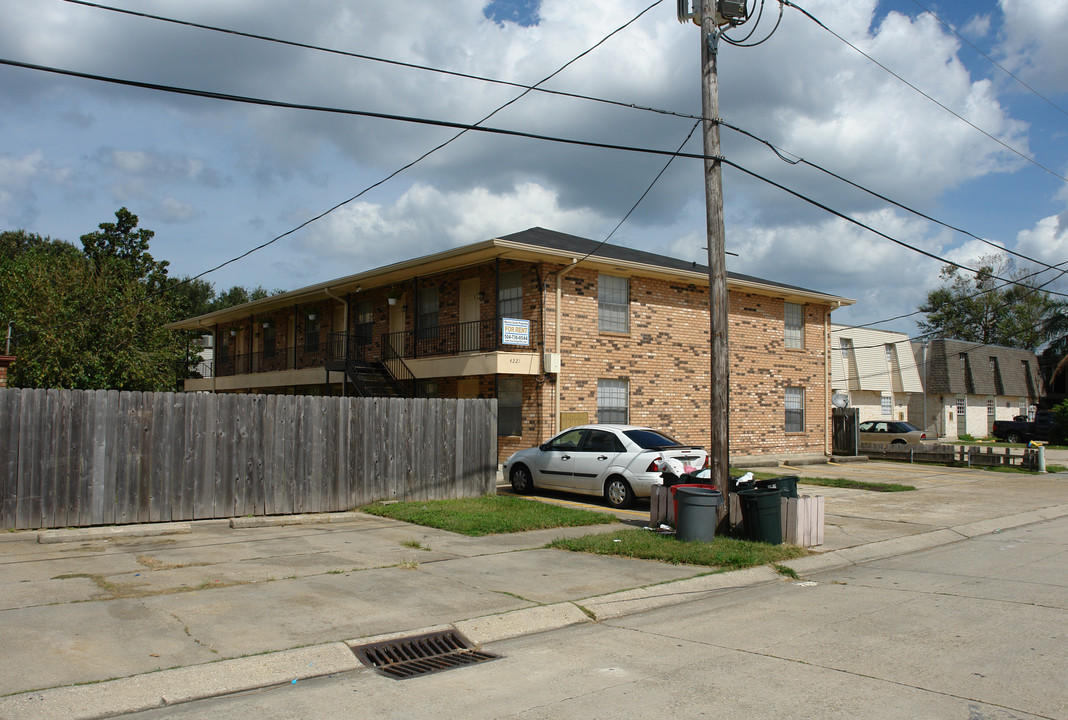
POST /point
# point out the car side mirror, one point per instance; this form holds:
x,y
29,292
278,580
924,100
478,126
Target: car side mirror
x,y
543,446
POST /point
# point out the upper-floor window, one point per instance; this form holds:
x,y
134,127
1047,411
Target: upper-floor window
x,y
428,313
364,322
613,304
794,320
847,347
510,295
311,333
270,339
889,348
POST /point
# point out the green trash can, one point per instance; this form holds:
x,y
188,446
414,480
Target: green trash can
x,y
698,512
786,485
762,514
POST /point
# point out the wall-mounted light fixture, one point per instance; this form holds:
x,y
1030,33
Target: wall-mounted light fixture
x,y
392,300
266,324
480,295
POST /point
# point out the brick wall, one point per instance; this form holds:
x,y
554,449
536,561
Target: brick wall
x,y
665,358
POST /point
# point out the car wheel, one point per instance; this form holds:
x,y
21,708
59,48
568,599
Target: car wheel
x,y
1012,437
617,493
522,483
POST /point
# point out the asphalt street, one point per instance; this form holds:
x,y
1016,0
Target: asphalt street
x,y
973,630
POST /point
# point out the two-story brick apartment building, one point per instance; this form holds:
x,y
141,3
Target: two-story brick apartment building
x,y
560,329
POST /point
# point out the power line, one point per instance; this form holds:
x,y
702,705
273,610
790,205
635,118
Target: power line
x,y
778,151
1005,145
992,60
387,61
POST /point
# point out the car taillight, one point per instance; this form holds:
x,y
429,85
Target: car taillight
x,y
654,466
708,462
923,436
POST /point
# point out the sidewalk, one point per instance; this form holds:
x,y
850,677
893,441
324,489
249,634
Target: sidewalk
x,y
110,620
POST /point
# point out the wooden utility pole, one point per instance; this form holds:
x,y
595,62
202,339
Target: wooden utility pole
x,y
717,262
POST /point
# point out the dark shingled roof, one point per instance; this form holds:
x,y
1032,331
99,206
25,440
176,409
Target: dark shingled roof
x,y
947,374
580,246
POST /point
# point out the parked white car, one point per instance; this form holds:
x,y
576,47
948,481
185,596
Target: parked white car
x,y
620,462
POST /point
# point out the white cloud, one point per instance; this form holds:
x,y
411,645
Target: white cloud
x,y
1034,42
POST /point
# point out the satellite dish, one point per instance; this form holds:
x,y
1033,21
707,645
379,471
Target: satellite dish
x,y
840,400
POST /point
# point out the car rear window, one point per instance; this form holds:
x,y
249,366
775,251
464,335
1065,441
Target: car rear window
x,y
649,439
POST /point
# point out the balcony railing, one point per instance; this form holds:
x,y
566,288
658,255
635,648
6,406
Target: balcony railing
x,y
441,340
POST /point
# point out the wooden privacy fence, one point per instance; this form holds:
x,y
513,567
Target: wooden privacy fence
x,y
75,458
965,455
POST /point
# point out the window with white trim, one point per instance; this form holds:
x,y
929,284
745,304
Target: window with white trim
x,y
612,401
795,409
887,405
613,304
794,321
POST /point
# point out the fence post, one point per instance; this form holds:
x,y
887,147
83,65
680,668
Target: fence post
x,y
1041,458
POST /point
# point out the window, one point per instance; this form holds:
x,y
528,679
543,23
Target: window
x,y
428,313
510,295
270,340
613,304
612,401
889,353
887,405
428,389
364,322
602,441
847,348
794,317
311,334
962,407
990,407
509,406
795,409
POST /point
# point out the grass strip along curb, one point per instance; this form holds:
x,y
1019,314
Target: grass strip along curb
x,y
723,552
490,515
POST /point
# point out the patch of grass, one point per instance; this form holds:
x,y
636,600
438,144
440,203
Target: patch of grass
x,y
414,545
839,482
490,515
409,564
856,484
725,553
787,571
1015,469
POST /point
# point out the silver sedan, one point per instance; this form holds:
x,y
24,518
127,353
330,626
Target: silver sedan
x,y
619,462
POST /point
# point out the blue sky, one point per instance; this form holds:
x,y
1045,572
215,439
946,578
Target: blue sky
x,y
214,179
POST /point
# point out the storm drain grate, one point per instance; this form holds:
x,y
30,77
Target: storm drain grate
x,y
420,654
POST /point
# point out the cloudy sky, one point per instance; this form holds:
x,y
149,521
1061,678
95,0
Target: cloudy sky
x,y
215,178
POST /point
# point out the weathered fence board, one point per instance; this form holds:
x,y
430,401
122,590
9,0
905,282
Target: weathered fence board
x,y
80,458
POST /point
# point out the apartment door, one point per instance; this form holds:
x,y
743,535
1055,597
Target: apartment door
x,y
396,326
470,313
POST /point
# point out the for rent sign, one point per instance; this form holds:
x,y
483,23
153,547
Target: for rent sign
x,y
515,332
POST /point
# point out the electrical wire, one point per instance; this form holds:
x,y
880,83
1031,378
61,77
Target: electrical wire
x,y
778,151
1001,67
1005,145
377,59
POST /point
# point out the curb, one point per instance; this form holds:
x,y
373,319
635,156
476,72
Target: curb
x,y
159,689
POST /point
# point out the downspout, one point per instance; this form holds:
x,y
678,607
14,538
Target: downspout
x,y
559,379
827,449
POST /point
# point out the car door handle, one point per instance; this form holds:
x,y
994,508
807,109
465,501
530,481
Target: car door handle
x,y
565,457
602,457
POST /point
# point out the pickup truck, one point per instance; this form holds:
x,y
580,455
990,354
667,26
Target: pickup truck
x,y
1019,430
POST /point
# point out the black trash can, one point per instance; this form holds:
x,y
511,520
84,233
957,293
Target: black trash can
x,y
698,513
762,514
786,485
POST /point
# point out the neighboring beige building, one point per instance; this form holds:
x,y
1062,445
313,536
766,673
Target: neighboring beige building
x,y
876,370
560,329
970,385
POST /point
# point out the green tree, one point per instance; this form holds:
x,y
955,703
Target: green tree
x,y
93,318
982,307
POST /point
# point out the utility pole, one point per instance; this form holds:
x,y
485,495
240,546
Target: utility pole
x,y
717,262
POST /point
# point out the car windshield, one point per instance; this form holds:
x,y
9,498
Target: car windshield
x,y
649,439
